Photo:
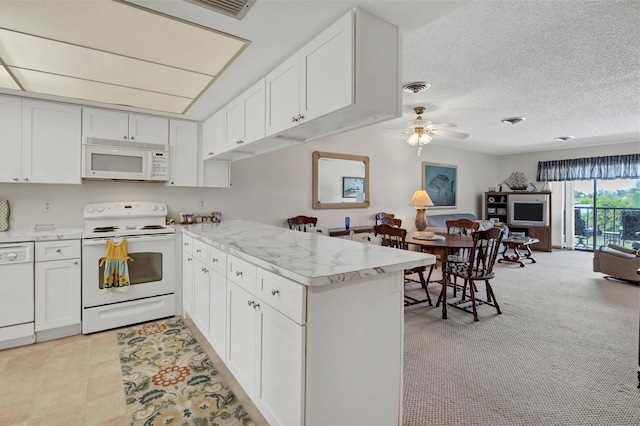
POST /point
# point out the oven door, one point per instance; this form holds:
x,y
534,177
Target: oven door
x,y
151,273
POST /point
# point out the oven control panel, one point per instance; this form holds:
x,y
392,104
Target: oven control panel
x,y
124,209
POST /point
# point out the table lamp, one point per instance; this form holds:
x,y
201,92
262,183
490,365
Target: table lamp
x,y
420,200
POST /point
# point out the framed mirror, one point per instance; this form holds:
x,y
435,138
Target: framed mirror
x,y
340,181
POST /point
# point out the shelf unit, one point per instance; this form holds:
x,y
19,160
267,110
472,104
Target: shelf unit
x,y
496,206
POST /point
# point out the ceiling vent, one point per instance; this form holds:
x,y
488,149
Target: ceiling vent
x,y
234,8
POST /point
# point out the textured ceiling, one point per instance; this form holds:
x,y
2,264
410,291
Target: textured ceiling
x,y
571,68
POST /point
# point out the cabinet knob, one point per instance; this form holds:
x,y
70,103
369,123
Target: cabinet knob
x,y
274,292
250,302
256,305
25,179
186,244
205,270
58,251
300,117
198,250
125,137
188,259
238,273
293,119
132,138
239,142
75,263
15,179
214,260
211,153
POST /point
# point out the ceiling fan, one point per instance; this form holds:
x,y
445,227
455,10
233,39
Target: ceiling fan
x,y
420,130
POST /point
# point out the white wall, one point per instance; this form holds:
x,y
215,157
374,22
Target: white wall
x,y
272,187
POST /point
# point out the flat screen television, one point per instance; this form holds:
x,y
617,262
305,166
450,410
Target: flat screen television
x,y
528,213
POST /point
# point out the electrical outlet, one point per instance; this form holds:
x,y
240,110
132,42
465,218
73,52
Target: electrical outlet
x,y
201,204
47,206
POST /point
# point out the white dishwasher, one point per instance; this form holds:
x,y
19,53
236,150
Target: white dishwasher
x,y
16,295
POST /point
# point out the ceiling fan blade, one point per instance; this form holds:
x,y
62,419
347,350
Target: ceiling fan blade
x,y
452,133
442,125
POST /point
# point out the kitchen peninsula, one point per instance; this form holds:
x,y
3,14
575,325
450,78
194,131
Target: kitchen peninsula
x,y
311,326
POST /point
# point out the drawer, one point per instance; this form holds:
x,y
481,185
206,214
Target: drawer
x,y
201,250
242,273
282,294
57,250
218,260
187,243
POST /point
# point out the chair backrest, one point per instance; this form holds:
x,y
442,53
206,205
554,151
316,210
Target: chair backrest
x,y
388,219
390,236
483,254
365,237
302,223
579,225
461,226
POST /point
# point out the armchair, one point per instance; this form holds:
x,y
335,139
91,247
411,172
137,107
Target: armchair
x,y
617,261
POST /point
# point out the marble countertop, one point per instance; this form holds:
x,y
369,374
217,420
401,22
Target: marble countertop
x,y
305,257
21,235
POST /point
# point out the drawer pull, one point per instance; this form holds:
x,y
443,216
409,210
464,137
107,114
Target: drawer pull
x,y
188,259
58,251
198,250
238,273
274,292
214,260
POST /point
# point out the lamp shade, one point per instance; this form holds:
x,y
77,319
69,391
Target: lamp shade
x,y
420,199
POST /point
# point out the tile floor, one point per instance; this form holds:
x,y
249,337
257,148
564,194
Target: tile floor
x,y
76,381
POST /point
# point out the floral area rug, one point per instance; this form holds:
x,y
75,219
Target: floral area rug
x,y
169,380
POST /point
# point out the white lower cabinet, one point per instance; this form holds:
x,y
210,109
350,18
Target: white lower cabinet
x,y
57,289
201,296
241,335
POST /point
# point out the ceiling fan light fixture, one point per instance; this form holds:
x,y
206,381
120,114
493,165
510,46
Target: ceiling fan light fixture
x,y
416,87
512,120
563,138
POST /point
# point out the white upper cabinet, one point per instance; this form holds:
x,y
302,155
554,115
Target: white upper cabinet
x,y
104,124
244,117
318,80
213,135
40,141
183,153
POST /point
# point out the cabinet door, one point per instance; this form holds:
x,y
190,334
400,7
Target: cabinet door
x,y
241,336
283,96
234,124
51,142
254,112
57,294
143,128
217,312
10,139
187,281
183,158
213,135
98,123
201,273
216,174
327,71
279,367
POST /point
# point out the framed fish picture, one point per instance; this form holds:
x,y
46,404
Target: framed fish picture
x,y
440,181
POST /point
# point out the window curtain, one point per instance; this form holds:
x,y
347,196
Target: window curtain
x,y
610,167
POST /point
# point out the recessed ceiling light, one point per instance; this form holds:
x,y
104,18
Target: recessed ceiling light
x,y
512,120
416,87
563,138
111,52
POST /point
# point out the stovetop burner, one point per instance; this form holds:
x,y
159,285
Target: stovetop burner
x,y
153,227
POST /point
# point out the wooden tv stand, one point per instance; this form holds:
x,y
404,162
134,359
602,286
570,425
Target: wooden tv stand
x,y
496,205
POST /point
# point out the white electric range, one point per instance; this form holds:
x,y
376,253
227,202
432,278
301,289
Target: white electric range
x,y
151,245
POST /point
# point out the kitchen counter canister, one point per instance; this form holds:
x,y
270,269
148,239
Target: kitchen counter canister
x,y
306,257
20,235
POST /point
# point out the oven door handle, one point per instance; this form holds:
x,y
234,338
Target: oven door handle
x,y
130,239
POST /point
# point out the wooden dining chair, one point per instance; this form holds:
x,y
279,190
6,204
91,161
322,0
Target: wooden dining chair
x,y
479,267
388,219
465,227
391,236
302,223
365,237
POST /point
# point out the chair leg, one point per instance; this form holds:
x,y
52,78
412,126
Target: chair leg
x,y
424,286
455,286
493,296
433,265
473,301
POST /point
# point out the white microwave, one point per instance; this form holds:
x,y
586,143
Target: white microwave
x,y
124,160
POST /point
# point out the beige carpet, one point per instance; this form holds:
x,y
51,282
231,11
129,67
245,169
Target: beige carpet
x,y
563,352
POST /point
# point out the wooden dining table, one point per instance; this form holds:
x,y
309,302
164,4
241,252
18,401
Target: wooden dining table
x,y
450,244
